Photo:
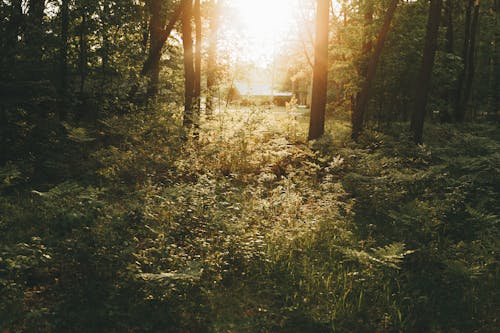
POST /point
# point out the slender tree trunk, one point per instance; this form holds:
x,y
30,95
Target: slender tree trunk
x,y
63,61
450,42
105,61
491,60
34,34
83,52
469,76
459,107
197,61
364,95
212,57
105,47
189,73
320,72
448,23
424,77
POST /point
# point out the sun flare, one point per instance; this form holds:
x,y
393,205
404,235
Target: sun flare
x,y
265,24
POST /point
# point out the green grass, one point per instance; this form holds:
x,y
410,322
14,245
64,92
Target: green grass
x,y
246,227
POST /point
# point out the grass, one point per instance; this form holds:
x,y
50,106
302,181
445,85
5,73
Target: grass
x,y
246,227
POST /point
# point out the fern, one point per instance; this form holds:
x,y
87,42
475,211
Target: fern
x,y
391,255
78,134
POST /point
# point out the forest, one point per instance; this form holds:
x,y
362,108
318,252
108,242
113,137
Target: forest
x,y
282,166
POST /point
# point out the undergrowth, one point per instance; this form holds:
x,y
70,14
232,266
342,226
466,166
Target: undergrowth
x,y
244,227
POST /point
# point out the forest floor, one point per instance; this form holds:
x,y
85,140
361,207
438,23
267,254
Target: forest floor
x,y
246,227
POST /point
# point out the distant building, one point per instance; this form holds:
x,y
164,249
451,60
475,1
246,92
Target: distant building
x,y
261,93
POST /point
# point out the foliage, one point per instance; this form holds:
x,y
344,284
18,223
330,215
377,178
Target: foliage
x,y
244,230
115,218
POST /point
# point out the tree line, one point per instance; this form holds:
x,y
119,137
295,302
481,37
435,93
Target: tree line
x,y
440,37
381,61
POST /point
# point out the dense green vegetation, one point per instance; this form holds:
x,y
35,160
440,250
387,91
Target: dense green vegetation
x,y
248,230
118,215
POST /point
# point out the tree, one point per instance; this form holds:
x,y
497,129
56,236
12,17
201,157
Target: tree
x,y
157,36
34,35
212,56
106,44
156,24
361,101
189,71
63,58
424,76
320,72
11,32
83,47
449,43
467,74
197,61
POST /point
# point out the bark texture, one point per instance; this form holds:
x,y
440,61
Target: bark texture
x,y
320,72
158,36
424,76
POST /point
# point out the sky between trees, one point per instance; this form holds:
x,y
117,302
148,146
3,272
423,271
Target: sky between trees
x,y
264,23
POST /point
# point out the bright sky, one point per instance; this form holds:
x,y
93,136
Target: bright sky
x,y
266,23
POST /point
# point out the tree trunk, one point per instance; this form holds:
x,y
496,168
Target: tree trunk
x,y
469,75
364,95
367,43
448,23
459,107
156,25
363,63
212,57
449,26
424,77
105,48
189,74
320,72
83,52
158,37
63,61
197,61
34,34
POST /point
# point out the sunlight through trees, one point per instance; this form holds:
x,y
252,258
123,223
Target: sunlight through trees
x,y
288,166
